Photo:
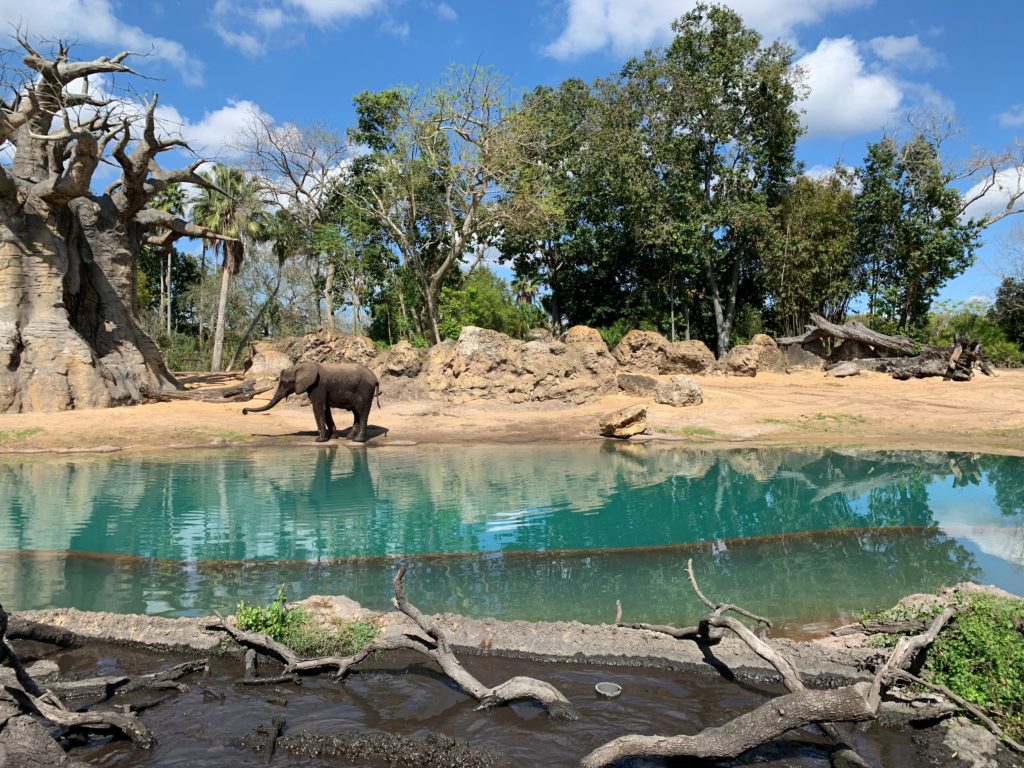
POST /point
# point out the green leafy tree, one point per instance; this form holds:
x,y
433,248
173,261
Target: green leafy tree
x,y
814,267
1008,310
909,231
438,159
720,126
483,299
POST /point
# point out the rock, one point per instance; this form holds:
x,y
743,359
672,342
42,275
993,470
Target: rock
x,y
679,391
268,357
636,383
641,351
24,743
403,359
689,357
266,361
647,351
761,354
805,356
843,370
539,334
625,423
329,345
581,334
490,365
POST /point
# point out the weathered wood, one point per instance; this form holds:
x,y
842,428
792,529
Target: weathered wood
x,y
240,393
430,640
820,328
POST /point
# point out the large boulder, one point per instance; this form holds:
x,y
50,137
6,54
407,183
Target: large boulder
x,y
268,357
650,352
627,422
485,364
637,383
679,391
761,354
403,359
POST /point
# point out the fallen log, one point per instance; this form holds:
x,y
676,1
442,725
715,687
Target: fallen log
x,y
24,696
429,640
821,329
799,708
239,393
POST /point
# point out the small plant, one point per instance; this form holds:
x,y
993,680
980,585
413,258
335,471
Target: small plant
x,y
296,628
980,656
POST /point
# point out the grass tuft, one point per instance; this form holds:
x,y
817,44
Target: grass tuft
x,y
296,628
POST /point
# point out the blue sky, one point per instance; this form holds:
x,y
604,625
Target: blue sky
x,y
868,64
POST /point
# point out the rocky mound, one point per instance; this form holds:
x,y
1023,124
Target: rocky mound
x,y
486,364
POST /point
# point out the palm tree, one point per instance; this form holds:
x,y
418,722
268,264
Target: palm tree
x,y
232,206
171,199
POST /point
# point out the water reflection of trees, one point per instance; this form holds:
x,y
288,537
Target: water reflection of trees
x,y
743,513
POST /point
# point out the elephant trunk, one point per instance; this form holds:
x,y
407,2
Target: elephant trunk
x,y
279,395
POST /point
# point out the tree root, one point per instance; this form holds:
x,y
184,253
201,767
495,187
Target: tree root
x,y
430,641
799,708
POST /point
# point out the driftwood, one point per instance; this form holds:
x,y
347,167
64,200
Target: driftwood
x,y
430,640
799,708
23,696
896,355
239,393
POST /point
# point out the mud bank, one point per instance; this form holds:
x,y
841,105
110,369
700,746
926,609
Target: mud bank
x,y
822,663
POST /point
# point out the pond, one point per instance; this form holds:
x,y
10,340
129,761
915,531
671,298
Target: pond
x,y
806,536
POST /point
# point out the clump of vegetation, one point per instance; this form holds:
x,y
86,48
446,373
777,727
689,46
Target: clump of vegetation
x,y
19,434
296,628
980,656
690,431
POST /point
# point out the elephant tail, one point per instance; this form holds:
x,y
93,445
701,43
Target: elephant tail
x,y
377,395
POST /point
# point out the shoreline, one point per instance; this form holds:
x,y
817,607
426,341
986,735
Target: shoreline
x,y
871,411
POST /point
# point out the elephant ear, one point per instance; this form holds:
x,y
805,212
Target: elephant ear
x,y
306,377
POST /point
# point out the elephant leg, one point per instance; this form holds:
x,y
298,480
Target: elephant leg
x,y
362,415
321,426
329,422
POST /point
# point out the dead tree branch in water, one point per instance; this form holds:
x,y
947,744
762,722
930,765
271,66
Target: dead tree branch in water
x,y
430,640
799,708
28,698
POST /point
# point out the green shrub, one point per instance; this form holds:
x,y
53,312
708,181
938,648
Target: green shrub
x,y
971,320
980,656
296,628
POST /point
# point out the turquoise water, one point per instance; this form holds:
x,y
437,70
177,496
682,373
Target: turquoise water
x,y
534,532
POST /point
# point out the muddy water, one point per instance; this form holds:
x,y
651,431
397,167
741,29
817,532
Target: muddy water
x,y
400,695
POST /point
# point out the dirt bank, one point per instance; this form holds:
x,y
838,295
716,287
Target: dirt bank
x,y
804,408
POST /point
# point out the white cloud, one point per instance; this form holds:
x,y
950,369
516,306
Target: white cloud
x,y
252,25
845,98
1013,117
329,11
628,26
907,52
94,21
446,12
217,135
1009,181
400,30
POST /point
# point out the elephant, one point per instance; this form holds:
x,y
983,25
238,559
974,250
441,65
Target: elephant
x,y
344,385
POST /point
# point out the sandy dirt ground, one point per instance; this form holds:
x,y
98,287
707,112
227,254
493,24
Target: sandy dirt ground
x,y
805,408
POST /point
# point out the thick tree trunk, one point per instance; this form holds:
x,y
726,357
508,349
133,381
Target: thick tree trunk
x,y
68,334
222,303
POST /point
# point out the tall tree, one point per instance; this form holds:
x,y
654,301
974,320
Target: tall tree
x,y
720,125
231,202
910,233
300,165
69,330
814,268
437,160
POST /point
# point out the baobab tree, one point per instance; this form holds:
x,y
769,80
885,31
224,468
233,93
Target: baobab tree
x,y
69,330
